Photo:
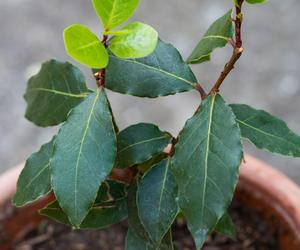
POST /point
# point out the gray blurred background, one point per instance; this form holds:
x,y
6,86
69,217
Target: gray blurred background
x,y
267,76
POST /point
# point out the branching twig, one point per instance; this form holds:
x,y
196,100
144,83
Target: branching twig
x,y
237,50
201,90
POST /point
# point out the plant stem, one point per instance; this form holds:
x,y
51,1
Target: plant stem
x,y
201,90
100,76
237,50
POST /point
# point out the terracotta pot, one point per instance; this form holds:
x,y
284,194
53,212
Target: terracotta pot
x,y
261,188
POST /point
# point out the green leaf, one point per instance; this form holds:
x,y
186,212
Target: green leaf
x,y
217,36
139,40
139,143
53,92
156,200
256,1
137,237
34,181
110,208
113,13
266,131
134,242
99,217
206,164
162,73
84,154
85,47
226,227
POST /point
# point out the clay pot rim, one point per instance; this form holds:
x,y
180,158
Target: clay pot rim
x,y
259,177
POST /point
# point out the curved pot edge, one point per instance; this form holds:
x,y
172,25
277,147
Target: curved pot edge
x,y
282,192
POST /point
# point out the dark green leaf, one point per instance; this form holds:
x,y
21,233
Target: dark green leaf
x,y
34,181
85,47
217,36
256,1
156,201
226,227
84,154
137,237
136,40
139,143
160,74
110,208
113,13
53,92
266,131
205,164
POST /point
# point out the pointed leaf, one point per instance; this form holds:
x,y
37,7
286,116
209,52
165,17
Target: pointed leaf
x,y
205,165
217,36
226,227
85,47
162,73
156,200
84,154
134,242
53,92
113,13
138,40
34,181
137,237
139,143
266,131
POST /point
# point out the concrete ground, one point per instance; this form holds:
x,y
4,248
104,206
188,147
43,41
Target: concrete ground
x,y
266,77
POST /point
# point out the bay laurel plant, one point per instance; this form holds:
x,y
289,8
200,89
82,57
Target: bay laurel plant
x,y
99,175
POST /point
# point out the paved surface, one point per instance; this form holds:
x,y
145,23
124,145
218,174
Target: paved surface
x,y
267,76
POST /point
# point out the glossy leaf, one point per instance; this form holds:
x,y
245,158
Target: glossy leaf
x,y
84,154
226,227
137,237
139,143
138,40
85,47
134,242
217,36
34,181
205,164
162,73
266,131
53,92
113,13
156,200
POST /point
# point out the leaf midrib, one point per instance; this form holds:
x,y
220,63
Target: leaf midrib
x,y
80,149
162,71
57,92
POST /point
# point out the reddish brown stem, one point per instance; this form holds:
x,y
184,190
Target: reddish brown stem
x,y
100,76
237,50
201,90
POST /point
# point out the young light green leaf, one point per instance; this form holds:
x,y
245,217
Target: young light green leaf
x,y
138,41
162,73
217,36
256,1
139,143
206,164
226,227
53,92
85,47
34,181
266,131
156,200
113,13
84,154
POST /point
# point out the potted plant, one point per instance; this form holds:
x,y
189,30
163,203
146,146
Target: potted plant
x,y
98,176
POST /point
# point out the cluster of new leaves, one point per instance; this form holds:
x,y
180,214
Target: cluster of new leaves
x,y
197,180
